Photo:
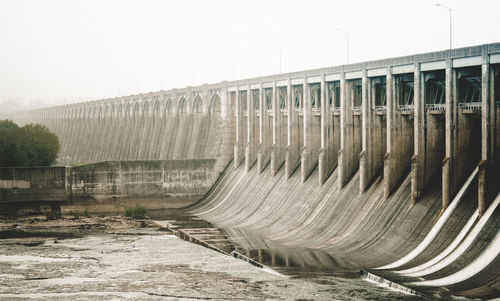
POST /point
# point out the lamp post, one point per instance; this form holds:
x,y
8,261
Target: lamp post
x,y
449,10
227,58
346,41
192,70
279,48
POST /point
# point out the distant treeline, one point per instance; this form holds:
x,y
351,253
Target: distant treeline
x,y
30,145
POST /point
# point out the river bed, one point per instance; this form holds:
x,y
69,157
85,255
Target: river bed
x,y
151,265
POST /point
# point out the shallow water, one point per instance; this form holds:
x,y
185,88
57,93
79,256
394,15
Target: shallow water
x,y
153,267
159,266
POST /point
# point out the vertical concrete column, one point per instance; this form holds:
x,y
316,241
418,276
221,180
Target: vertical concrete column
x,y
225,110
389,167
264,131
291,156
324,111
250,145
306,152
344,123
260,149
351,132
277,144
450,136
324,152
487,128
366,156
417,161
262,115
238,147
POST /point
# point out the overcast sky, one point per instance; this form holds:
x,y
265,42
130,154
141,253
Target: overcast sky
x,y
61,51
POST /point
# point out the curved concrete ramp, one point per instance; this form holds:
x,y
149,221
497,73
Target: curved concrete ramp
x,y
275,215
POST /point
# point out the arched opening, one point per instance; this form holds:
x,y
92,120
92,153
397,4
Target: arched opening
x,y
215,105
182,106
136,111
198,105
156,108
168,107
145,111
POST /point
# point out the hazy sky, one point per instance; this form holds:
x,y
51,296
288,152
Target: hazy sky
x,y
62,51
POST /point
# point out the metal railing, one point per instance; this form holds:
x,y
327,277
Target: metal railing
x,y
356,109
406,109
436,107
380,109
470,106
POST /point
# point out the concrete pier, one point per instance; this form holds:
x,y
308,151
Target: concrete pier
x,y
292,157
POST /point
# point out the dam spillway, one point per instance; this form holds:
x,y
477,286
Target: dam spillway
x,y
389,165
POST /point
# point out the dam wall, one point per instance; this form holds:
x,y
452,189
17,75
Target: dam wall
x,y
183,124
423,113
341,229
389,165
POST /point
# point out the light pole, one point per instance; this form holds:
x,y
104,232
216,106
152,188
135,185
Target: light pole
x,y
192,70
346,41
449,10
232,61
279,48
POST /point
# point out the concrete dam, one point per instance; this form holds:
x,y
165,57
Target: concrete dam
x,y
391,166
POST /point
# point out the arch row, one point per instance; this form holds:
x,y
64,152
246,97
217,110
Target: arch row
x,y
155,105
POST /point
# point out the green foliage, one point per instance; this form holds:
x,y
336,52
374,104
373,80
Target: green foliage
x,y
137,212
86,213
52,214
30,145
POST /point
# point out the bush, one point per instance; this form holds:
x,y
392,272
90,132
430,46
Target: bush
x,y
52,215
30,145
137,212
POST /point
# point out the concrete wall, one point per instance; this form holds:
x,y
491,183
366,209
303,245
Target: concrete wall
x,y
109,186
113,185
186,125
28,185
362,133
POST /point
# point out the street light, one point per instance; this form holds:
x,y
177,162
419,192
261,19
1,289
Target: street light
x,y
279,48
232,61
449,10
192,70
346,41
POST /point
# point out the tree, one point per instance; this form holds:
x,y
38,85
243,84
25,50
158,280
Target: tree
x,y
30,145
